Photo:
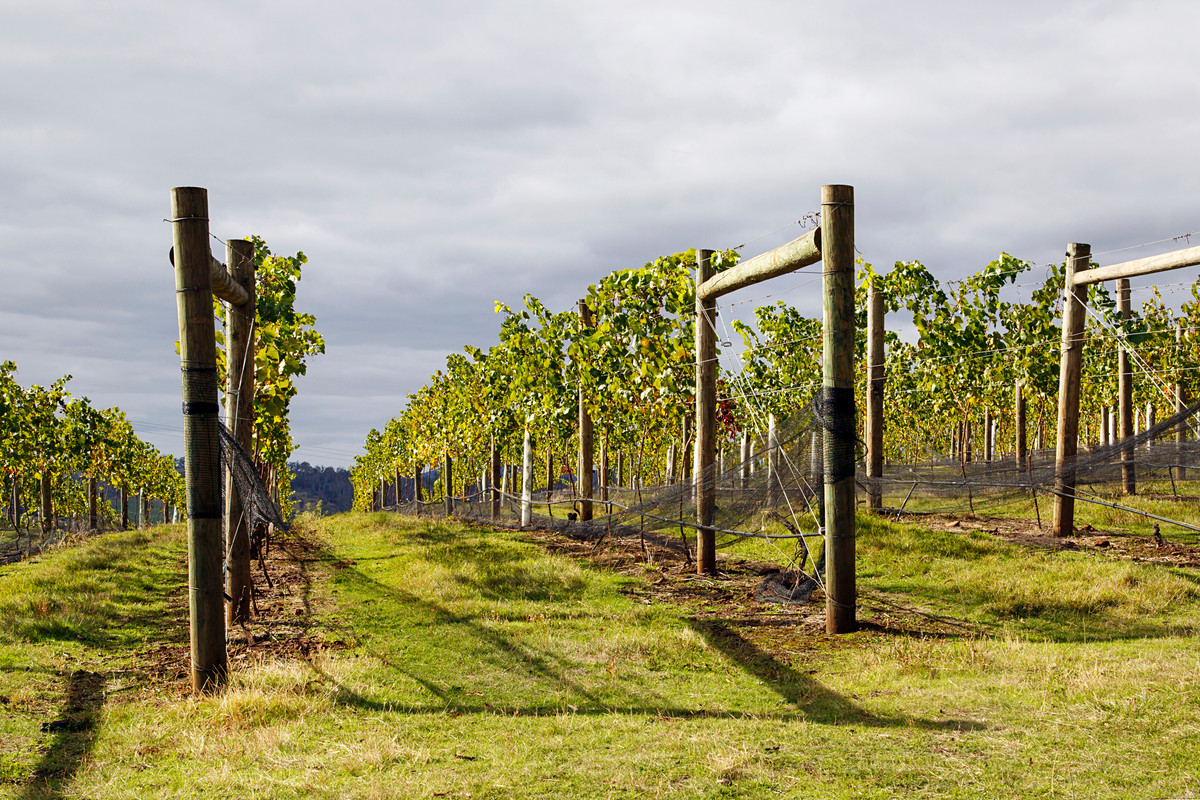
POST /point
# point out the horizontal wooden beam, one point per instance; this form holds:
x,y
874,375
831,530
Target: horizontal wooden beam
x,y
783,259
223,284
1189,257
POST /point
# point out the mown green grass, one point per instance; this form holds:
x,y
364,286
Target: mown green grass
x,y
474,663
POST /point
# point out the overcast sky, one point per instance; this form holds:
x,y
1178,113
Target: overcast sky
x,y
432,158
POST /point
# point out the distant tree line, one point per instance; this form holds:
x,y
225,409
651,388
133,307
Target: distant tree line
x,y
321,490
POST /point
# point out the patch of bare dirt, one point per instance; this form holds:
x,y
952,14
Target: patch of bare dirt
x,y
282,624
665,575
1110,544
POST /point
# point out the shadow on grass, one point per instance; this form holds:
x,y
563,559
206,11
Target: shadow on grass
x,y
73,734
815,701
457,638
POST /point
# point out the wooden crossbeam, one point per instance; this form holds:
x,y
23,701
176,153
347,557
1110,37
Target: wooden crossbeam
x,y
783,259
1189,257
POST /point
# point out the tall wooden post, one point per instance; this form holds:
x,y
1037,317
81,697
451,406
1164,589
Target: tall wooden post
x,y
1074,298
875,389
706,419
526,479
495,479
1180,405
603,474
837,250
1021,444
239,419
669,476
418,489
586,459
448,484
989,436
47,502
745,477
773,484
125,507
1125,394
202,472
1149,421
93,511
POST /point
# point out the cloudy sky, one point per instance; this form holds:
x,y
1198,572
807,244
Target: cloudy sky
x,y
432,158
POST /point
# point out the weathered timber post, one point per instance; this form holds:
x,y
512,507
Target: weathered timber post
x,y
1105,428
706,418
1149,420
989,439
143,510
496,480
125,507
875,389
669,472
526,479
773,482
396,479
448,483
745,471
93,512
685,449
603,474
586,459
418,489
1074,296
1180,406
239,419
47,503
1020,443
837,406
1125,393
202,472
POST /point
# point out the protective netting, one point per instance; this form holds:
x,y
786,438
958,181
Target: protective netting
x,y
775,494
258,502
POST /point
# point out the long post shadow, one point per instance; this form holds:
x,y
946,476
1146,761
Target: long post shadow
x,y
74,733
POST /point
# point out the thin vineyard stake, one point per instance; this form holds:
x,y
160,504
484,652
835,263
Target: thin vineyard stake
x,y
202,472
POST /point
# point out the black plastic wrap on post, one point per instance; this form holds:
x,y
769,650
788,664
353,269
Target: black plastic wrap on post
x,y
835,413
202,448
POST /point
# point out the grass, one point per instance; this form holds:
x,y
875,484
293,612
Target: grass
x,y
462,662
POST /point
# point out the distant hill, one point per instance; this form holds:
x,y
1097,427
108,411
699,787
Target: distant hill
x,y
329,486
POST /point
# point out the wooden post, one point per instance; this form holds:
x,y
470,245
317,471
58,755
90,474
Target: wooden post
x,y
495,479
1021,442
1149,420
1180,405
604,468
417,489
875,389
143,509
1105,428
124,507
685,449
93,511
773,483
837,222
669,476
706,419
1074,297
586,459
47,514
989,441
745,482
239,419
818,472
526,479
202,473
448,483
1125,394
